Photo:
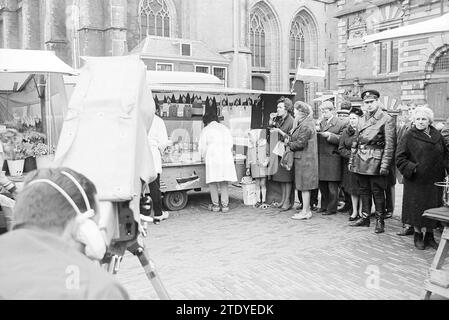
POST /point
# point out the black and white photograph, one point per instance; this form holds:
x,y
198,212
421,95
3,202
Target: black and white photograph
x,y
224,156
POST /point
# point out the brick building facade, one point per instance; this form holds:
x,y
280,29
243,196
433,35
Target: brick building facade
x,y
259,42
411,70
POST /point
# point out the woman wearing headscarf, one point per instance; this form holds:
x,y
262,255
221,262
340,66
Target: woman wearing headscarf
x,y
303,143
422,158
350,182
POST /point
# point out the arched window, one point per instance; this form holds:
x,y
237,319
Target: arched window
x,y
297,44
442,63
257,41
303,40
154,18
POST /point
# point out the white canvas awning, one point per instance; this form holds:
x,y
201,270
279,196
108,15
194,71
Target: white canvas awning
x,y
17,65
436,25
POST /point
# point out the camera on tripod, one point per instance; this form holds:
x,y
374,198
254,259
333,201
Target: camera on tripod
x,y
104,137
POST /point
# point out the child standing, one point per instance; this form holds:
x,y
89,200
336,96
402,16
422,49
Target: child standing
x,y
257,164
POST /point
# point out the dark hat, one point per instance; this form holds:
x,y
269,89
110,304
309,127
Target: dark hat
x,y
370,95
356,111
346,105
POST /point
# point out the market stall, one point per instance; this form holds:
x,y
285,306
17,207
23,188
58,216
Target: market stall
x,y
32,105
183,98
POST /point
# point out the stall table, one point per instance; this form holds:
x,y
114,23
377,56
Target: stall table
x,y
438,281
179,178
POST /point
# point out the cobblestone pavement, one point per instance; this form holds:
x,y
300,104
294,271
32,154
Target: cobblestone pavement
x,y
256,254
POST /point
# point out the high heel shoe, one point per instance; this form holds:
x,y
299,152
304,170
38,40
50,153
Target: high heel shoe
x,y
351,219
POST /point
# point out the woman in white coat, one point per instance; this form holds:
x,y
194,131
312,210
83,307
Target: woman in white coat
x,y
215,146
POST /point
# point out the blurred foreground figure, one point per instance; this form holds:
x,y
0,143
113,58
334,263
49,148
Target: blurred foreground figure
x,y
54,230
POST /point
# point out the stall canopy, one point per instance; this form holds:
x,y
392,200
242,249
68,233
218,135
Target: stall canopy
x,y
435,25
32,61
31,86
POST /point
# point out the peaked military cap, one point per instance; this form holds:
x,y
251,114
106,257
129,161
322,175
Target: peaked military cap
x,y
370,95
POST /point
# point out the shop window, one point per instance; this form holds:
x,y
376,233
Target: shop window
x,y
257,41
164,66
154,18
442,63
202,69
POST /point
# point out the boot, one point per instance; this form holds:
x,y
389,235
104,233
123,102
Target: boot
x,y
419,241
380,223
363,221
429,240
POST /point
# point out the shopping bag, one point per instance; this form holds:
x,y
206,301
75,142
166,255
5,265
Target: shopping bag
x,y
279,149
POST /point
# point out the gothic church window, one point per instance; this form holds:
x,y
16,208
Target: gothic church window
x,y
303,40
154,18
257,41
297,44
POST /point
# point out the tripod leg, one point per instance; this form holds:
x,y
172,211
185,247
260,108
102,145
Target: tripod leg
x,y
151,273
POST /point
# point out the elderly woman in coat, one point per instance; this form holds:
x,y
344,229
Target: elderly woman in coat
x,y
422,158
303,143
215,146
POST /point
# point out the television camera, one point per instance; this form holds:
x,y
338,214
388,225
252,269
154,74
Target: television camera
x,y
104,137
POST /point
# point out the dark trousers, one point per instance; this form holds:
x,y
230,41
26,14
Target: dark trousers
x,y
329,195
156,196
313,197
372,187
389,199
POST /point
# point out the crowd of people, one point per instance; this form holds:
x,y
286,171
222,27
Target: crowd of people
x,y
355,154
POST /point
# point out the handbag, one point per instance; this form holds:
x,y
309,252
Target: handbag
x,y
287,159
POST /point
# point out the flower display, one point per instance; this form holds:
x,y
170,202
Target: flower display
x,y
42,149
13,146
18,146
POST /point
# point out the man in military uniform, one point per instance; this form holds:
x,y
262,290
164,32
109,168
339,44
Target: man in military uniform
x,y
372,158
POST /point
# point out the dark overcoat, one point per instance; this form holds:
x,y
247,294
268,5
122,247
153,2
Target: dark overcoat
x,y
329,159
275,169
376,144
422,160
303,143
349,180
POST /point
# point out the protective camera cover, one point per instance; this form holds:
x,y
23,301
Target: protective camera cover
x,y
104,135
